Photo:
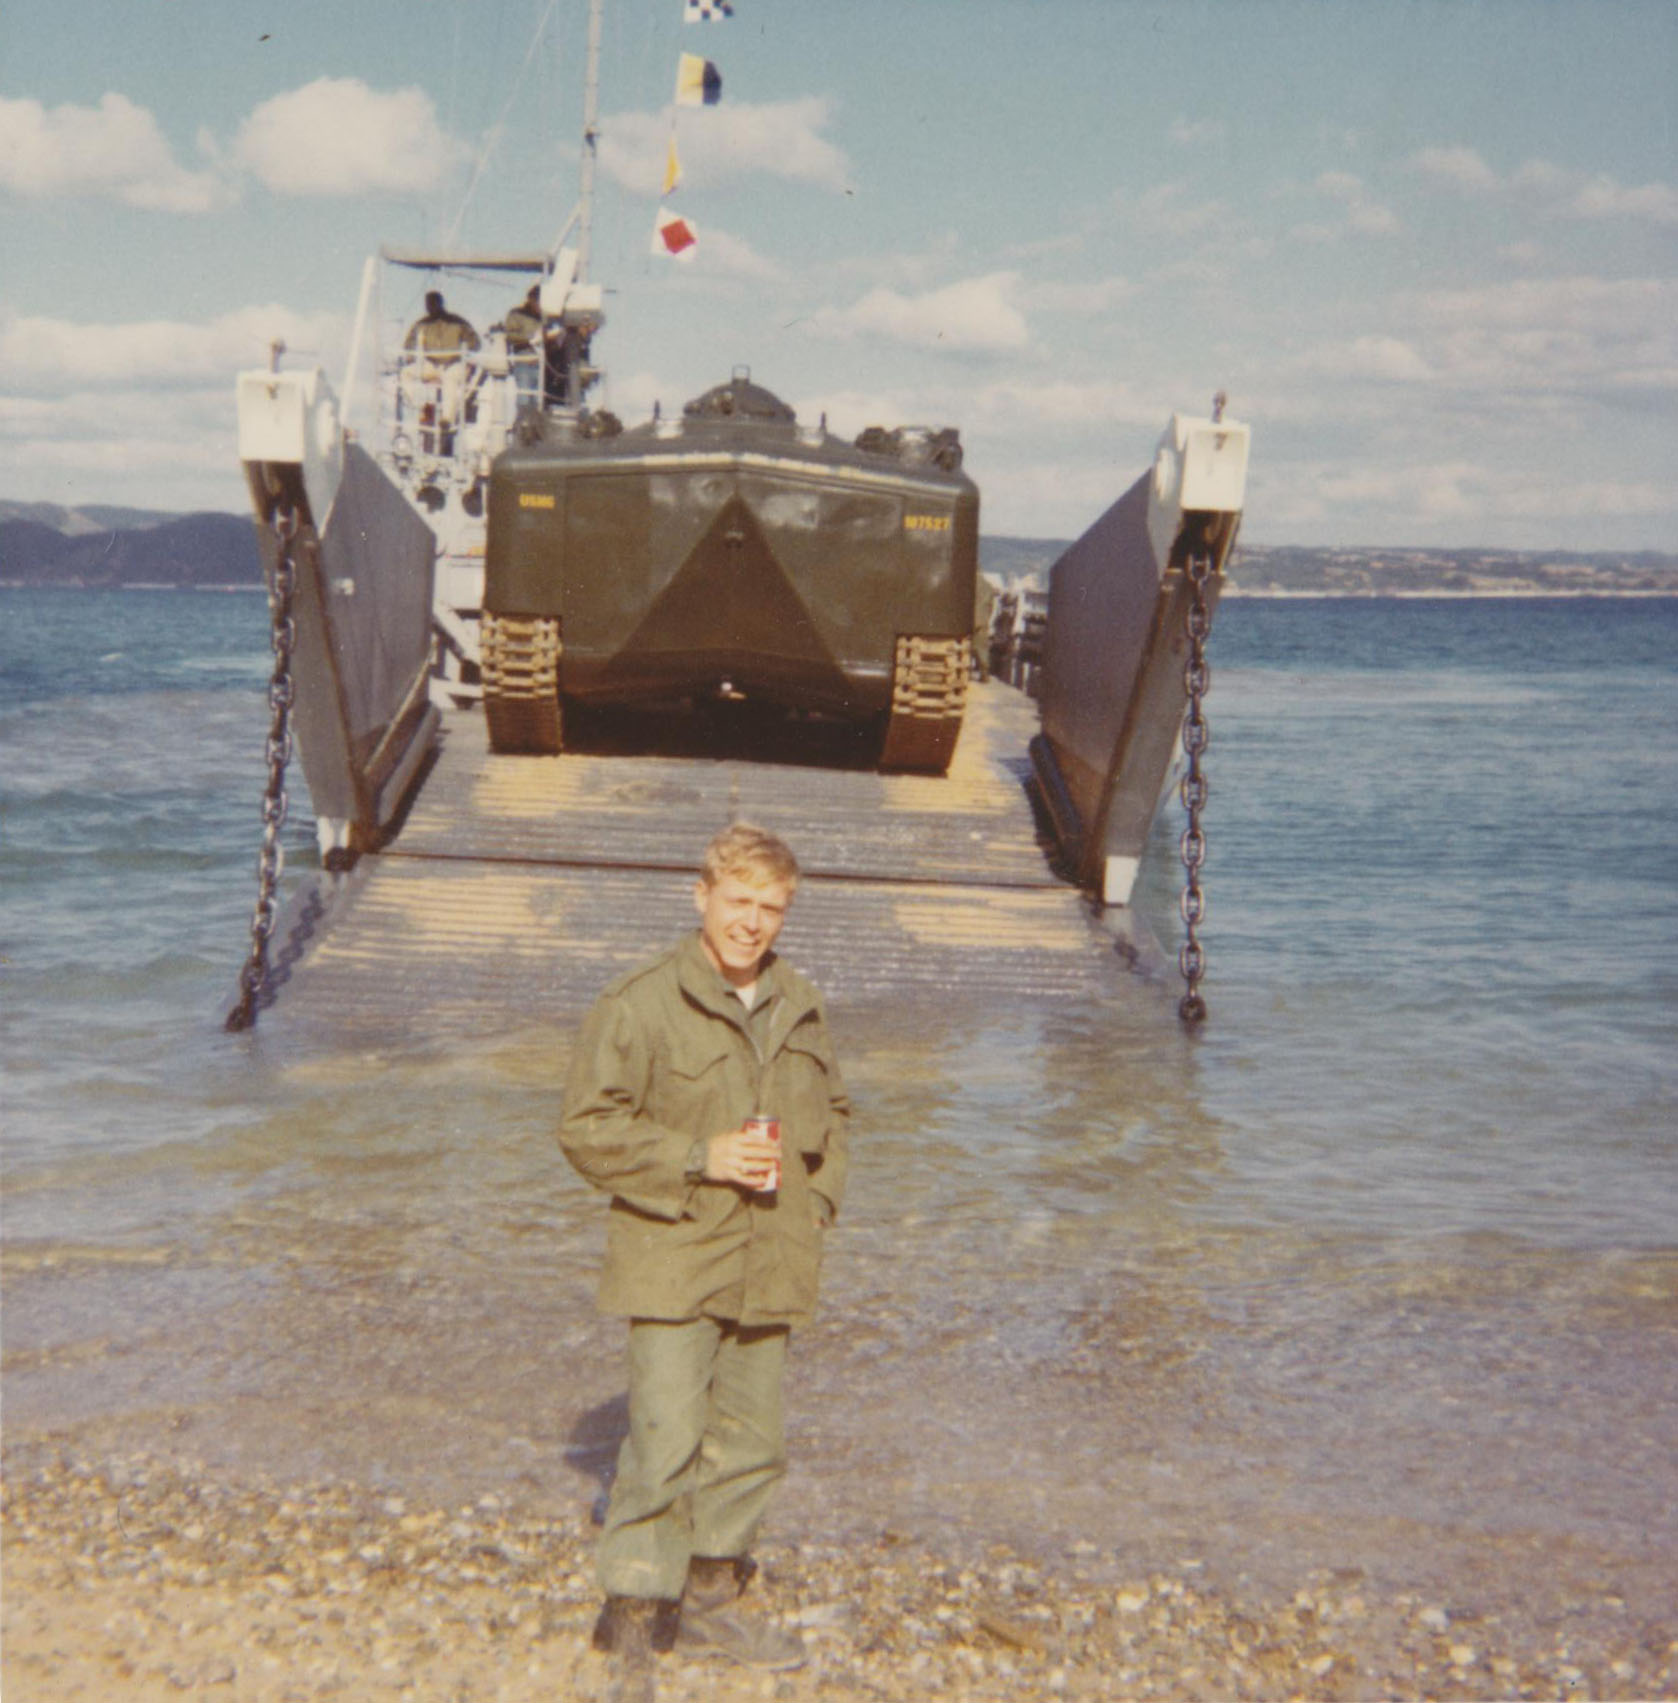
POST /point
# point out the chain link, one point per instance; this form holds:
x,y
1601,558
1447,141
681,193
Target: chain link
x,y
253,978
1193,790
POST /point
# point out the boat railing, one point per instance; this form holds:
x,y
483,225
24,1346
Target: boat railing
x,y
458,408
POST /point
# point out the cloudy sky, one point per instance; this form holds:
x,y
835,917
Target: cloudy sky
x,y
1427,249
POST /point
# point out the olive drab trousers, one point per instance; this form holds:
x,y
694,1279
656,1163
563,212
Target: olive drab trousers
x,y
705,1450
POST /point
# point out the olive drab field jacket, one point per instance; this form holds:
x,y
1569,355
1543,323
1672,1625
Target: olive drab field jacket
x,y
666,1059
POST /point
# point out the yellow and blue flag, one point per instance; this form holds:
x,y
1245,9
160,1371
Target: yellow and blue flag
x,y
698,82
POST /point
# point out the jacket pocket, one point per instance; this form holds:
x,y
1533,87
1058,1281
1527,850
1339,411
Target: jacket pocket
x,y
803,1098
693,1091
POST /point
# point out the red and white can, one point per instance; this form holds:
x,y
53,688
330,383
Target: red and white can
x,y
770,1130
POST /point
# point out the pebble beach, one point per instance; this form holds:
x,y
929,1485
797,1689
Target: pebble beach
x,y
144,1580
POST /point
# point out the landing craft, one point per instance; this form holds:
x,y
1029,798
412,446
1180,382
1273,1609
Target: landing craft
x,y
494,560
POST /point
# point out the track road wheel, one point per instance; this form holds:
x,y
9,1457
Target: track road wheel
x,y
521,683
928,695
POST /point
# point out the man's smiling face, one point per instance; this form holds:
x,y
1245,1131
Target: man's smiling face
x,y
739,919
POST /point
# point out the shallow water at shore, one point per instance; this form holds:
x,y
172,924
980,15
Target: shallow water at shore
x,y
1376,1273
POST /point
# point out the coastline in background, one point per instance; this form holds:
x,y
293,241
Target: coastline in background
x,y
45,544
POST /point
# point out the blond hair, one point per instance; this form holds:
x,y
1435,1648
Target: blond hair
x,y
750,852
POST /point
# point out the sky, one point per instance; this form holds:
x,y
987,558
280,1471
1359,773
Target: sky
x,y
1428,250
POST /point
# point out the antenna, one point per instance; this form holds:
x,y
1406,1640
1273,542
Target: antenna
x,y
591,141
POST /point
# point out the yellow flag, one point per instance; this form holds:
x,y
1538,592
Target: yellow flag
x,y
672,167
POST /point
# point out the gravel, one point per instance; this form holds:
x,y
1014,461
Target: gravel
x,y
131,1577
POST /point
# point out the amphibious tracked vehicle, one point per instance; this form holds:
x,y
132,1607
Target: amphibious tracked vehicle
x,y
730,554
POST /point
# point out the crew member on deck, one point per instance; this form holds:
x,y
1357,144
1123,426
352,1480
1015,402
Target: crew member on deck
x,y
523,326
436,383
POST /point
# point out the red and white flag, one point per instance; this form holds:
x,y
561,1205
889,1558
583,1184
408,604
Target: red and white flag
x,y
675,235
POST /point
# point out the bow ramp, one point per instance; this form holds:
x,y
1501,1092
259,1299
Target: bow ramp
x,y
518,886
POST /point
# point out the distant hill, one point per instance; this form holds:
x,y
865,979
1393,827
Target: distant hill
x,y
91,517
101,545
1279,570
1265,569
45,544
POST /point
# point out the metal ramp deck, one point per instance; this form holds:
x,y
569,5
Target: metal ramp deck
x,y
518,886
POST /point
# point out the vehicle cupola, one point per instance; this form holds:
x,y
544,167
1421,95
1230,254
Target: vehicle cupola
x,y
740,399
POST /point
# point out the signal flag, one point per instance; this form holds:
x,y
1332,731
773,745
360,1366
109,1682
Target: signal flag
x,y
675,236
698,82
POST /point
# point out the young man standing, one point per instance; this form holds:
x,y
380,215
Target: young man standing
x,y
713,1244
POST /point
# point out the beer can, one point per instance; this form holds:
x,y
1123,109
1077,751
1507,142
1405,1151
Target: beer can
x,y
770,1128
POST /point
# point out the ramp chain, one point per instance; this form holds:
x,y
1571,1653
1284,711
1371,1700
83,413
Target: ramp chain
x,y
253,978
520,670
928,696
1197,734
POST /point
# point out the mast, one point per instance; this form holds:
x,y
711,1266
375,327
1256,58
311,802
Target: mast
x,y
591,140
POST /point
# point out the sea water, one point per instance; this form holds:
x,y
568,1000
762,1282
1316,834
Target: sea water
x,y
1378,1268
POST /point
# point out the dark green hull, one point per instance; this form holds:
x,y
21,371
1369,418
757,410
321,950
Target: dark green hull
x,y
733,556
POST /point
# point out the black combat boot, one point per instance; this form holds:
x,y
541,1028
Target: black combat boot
x,y
713,1619
629,1630
627,1617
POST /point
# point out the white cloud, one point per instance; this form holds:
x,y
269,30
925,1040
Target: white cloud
x,y
1378,356
1519,347
1461,167
1213,271
1188,132
937,256
976,314
43,355
721,251
1555,189
1421,498
1603,198
1342,185
114,149
168,448
1067,402
1543,178
1096,296
337,136
1362,213
1372,219
1556,337
1165,207
1057,498
1602,307
631,395
775,138
849,411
